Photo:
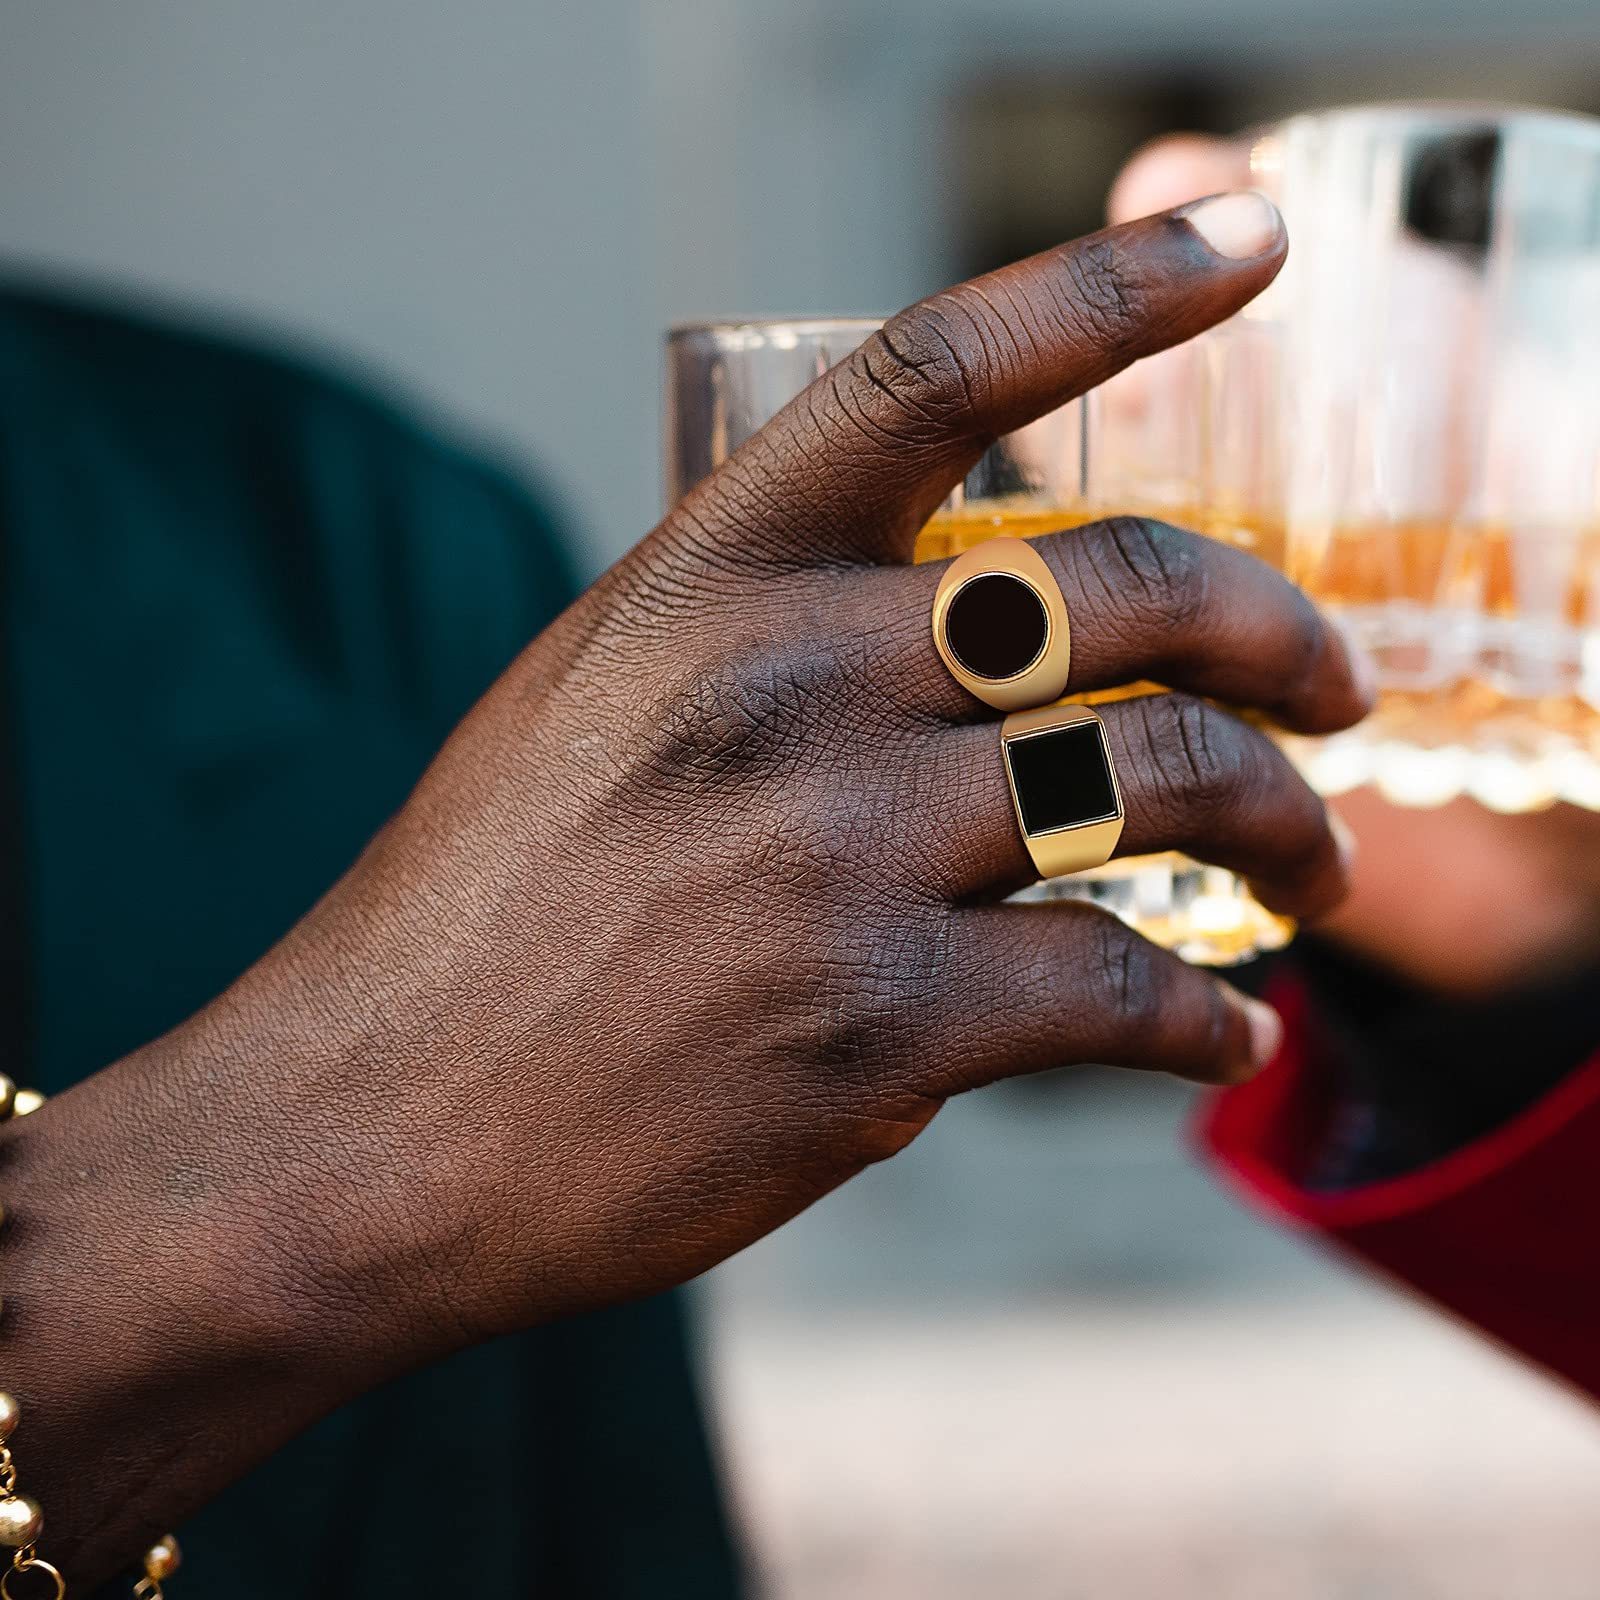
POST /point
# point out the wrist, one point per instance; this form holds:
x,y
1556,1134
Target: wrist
x,y
181,1296
280,1147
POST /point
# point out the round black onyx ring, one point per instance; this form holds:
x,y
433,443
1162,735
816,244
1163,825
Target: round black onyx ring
x,y
1000,625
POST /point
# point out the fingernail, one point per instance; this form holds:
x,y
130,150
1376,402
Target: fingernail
x,y
1363,668
1344,837
1266,1032
1238,225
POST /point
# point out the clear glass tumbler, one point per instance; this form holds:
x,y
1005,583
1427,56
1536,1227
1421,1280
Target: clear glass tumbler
x,y
1408,421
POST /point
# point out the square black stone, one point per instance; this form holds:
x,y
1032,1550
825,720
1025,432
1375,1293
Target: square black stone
x,y
1062,778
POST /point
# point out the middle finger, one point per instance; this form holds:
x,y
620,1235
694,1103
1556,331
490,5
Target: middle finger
x,y
1144,601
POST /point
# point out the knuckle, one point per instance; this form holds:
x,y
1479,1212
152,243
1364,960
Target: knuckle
x,y
742,711
1193,754
1165,570
1105,294
932,360
880,979
1124,966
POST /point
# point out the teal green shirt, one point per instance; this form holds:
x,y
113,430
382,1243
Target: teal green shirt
x,y
243,603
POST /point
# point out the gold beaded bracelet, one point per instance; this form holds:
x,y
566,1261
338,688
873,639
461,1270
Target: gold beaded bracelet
x,y
21,1518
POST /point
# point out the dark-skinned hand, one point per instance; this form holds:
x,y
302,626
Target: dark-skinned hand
x,y
694,916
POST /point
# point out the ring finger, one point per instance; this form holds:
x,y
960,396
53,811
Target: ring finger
x,y
1192,777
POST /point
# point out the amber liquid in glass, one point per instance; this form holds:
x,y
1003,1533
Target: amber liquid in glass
x,y
952,531
1487,637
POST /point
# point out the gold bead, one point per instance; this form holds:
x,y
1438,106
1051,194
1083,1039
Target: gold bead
x,y
10,1415
26,1102
163,1558
8,1096
21,1521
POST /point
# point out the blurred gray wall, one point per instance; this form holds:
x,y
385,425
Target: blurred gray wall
x,y
500,203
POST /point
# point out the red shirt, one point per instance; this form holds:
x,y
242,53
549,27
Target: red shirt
x,y
1503,1231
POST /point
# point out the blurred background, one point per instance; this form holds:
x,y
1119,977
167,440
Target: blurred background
x,y
501,203
1041,1355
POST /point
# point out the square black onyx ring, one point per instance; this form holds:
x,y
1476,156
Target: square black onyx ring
x,y
1064,787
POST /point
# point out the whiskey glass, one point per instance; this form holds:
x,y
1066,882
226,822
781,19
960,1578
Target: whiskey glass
x,y
1408,421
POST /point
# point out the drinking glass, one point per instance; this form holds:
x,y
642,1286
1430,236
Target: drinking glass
x,y
1408,421
1135,448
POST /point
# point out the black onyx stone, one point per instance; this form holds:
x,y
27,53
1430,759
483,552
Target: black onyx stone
x,y
996,626
1062,778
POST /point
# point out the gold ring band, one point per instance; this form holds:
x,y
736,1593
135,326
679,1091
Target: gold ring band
x,y
1000,625
1064,787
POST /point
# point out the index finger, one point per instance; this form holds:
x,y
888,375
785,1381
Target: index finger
x,y
853,467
